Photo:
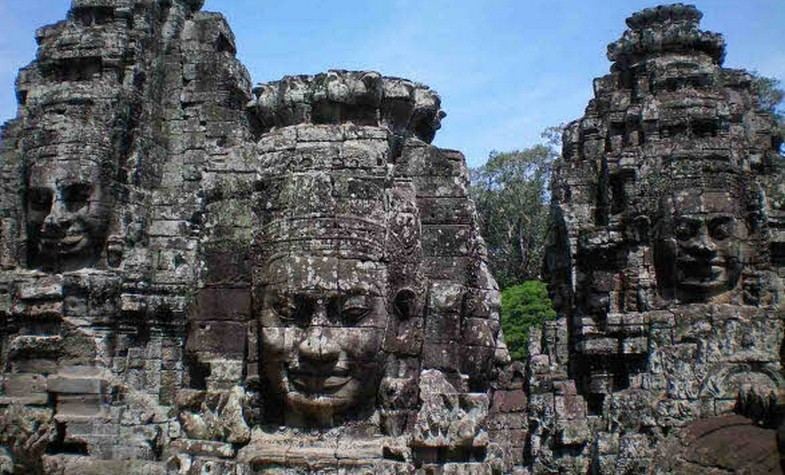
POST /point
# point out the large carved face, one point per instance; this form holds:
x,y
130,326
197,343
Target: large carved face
x,y
68,210
323,323
701,245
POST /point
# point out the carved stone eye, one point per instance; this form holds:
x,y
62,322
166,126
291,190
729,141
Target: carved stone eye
x,y
355,308
404,303
721,228
685,229
284,307
291,310
76,196
40,199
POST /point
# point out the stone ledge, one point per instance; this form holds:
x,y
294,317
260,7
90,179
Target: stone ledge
x,y
360,97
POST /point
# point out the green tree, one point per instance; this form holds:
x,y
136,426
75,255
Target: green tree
x,y
770,94
511,192
524,306
771,98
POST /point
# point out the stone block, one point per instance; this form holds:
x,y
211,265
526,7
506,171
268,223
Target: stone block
x,y
83,405
24,385
570,407
634,346
566,387
216,303
607,443
227,264
599,346
203,447
509,401
169,228
477,361
445,327
575,432
444,356
539,364
72,385
34,365
506,421
480,332
448,268
219,337
43,289
226,370
444,210
41,399
446,240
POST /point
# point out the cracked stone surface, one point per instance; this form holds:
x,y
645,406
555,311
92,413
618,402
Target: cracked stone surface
x,y
201,276
664,261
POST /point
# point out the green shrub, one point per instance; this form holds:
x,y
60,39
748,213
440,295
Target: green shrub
x,y
524,306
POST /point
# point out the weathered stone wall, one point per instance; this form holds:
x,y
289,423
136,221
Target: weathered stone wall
x,y
198,276
102,227
365,250
663,257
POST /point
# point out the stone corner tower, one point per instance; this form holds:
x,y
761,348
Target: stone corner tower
x,y
664,257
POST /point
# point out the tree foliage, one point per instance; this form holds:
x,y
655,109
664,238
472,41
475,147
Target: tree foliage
x,y
771,98
524,306
770,95
510,192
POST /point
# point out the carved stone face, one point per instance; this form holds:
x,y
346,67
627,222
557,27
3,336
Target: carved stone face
x,y
323,322
703,242
68,211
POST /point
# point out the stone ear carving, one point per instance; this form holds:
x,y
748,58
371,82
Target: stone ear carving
x,y
114,251
405,303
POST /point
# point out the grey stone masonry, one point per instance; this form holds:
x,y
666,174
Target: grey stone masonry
x,y
198,275
665,266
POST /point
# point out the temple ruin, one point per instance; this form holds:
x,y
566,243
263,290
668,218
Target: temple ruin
x,y
198,275
664,263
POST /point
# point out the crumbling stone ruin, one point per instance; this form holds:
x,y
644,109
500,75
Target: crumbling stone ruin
x,y
665,261
201,277
198,276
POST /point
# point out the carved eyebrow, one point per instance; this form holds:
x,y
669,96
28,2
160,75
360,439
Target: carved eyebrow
x,y
40,193
357,299
689,220
75,189
288,290
686,217
370,291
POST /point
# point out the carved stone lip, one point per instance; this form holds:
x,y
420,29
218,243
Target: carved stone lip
x,y
309,383
702,283
701,273
701,264
72,239
318,380
712,280
62,243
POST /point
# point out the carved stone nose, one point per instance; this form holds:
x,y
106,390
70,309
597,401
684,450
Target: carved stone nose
x,y
703,245
319,317
54,224
57,219
318,346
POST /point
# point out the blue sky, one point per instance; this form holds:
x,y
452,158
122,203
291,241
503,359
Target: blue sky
x,y
506,69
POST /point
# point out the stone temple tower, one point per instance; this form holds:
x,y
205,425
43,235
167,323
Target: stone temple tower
x,y
665,256
198,276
